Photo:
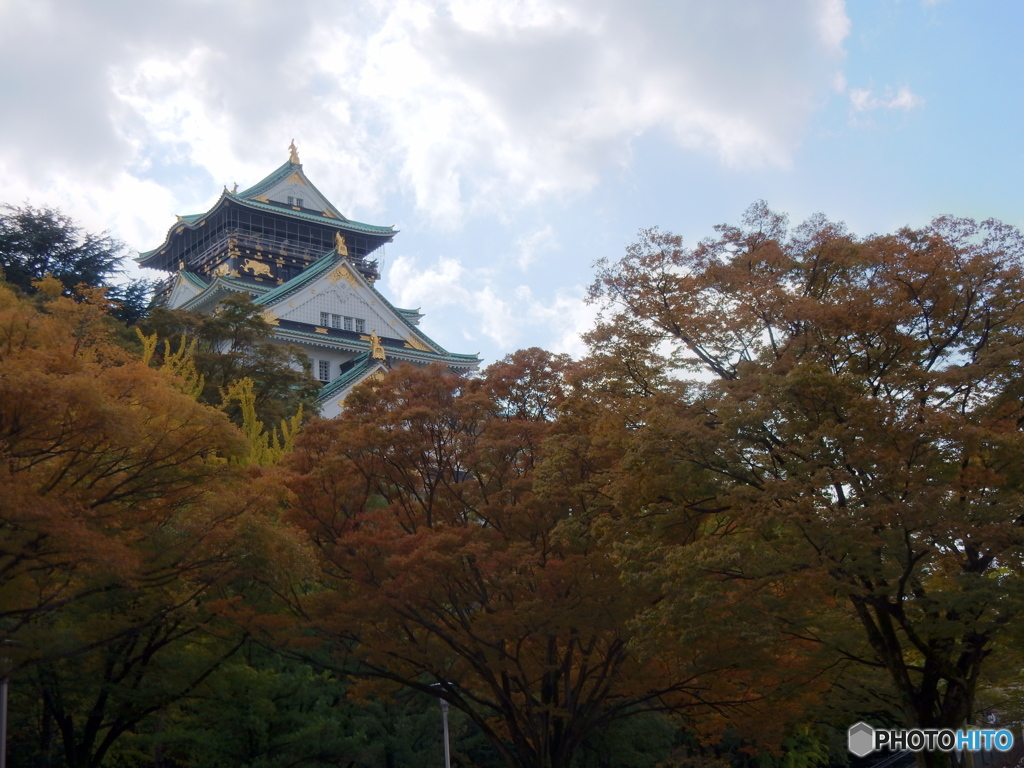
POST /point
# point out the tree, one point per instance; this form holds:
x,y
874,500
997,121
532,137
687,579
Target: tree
x,y
121,517
457,555
36,242
855,433
233,343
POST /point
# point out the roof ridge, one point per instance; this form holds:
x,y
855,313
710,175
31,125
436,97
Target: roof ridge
x,y
332,259
311,272
269,180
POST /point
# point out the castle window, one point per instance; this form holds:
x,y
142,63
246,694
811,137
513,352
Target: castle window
x,y
324,319
335,321
348,324
299,201
324,369
360,325
291,200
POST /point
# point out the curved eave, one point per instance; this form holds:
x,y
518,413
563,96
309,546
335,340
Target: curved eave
x,y
195,280
391,348
343,224
219,287
361,367
194,221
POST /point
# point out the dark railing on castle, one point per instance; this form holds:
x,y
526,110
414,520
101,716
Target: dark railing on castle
x,y
271,248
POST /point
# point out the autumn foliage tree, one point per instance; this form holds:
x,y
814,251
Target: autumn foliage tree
x,y
233,343
845,415
457,555
119,517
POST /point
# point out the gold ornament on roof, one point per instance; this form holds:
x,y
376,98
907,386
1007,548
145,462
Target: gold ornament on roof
x,y
339,244
257,267
342,272
293,153
376,348
413,343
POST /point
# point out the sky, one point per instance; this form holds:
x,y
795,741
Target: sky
x,y
516,142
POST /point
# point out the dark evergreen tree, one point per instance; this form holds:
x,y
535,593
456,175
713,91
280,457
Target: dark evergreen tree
x,y
35,242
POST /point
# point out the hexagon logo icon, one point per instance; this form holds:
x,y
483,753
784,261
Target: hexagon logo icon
x,y
860,739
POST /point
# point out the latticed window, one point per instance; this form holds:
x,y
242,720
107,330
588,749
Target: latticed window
x,y
324,319
335,321
324,370
360,325
348,324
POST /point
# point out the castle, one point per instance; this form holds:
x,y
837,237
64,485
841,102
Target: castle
x,y
282,242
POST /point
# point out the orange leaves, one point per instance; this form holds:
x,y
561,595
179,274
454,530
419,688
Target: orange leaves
x,y
851,447
450,550
108,474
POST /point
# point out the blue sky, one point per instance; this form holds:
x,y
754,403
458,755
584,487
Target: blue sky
x,y
515,143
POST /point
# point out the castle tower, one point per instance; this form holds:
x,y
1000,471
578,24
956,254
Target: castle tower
x,y
285,244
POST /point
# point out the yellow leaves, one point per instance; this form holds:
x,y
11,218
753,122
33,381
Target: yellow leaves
x,y
180,363
106,466
265,448
49,286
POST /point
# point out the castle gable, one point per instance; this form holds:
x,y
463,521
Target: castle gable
x,y
336,300
187,285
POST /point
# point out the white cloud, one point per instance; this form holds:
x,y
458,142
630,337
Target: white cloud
x,y
537,99
505,316
465,105
863,100
529,247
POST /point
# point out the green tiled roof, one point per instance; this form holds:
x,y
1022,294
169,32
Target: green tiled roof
x,y
218,283
446,357
244,198
275,176
309,274
355,226
412,315
195,279
359,367
324,264
244,284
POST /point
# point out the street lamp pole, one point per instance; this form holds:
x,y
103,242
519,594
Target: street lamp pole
x,y
444,720
6,668
3,721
